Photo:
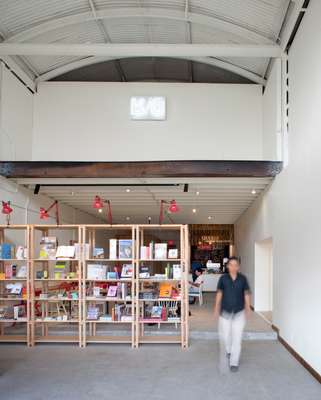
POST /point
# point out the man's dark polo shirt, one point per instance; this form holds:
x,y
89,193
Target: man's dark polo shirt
x,y
233,292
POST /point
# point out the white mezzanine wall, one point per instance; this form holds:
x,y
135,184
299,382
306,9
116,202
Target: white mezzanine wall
x,y
289,213
16,117
91,121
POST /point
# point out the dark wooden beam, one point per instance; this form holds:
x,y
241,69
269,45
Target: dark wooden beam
x,y
139,169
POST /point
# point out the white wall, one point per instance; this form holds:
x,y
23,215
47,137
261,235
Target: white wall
x,y
272,128
16,117
90,121
290,211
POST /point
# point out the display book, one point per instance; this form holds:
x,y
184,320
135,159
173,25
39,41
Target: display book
x,y
65,268
13,291
158,251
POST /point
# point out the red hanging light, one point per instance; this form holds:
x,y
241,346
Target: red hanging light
x,y
44,213
98,203
6,209
173,208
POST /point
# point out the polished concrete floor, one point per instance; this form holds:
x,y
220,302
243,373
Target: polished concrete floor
x,y
155,372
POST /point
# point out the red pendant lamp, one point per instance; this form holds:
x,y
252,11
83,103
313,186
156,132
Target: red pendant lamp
x,y
7,210
173,208
99,203
44,213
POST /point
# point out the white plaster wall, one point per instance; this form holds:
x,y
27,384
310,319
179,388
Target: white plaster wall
x,y
16,118
290,210
90,121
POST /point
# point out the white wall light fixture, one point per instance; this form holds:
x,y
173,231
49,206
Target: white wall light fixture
x,y
148,108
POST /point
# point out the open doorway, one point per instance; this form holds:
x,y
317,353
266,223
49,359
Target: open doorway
x,y
263,296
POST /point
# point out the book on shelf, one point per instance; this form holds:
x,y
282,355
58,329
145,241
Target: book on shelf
x,y
7,251
112,291
177,271
127,271
160,251
112,275
65,252
112,249
22,272
60,270
144,271
21,253
156,312
173,253
92,312
9,271
98,252
125,247
48,248
96,271
165,290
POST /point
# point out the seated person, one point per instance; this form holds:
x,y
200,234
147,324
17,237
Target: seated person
x,y
197,282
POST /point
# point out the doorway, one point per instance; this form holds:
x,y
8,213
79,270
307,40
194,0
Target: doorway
x,y
263,296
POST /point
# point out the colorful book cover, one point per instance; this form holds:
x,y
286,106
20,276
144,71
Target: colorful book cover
x,y
125,248
112,291
165,290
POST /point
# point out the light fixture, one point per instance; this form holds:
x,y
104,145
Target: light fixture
x,y
44,212
253,191
197,193
194,210
127,218
209,217
127,190
173,208
99,203
7,210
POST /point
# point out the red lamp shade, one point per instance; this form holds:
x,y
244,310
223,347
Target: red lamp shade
x,y
98,203
173,208
43,213
6,209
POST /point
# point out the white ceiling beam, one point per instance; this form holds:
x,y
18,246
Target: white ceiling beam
x,y
203,60
141,12
295,8
140,50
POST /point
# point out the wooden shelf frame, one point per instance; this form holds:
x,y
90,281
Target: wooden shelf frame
x,y
45,335
23,338
86,331
140,336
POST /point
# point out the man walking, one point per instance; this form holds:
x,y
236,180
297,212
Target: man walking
x,y
232,306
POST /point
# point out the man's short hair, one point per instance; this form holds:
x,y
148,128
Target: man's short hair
x,y
233,259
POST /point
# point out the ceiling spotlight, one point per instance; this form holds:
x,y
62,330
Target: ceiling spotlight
x,y
209,217
194,210
100,210
127,190
197,193
253,191
127,218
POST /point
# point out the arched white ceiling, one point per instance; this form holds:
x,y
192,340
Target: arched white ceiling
x,y
142,21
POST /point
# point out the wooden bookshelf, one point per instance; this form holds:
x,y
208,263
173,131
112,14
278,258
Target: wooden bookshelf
x,y
57,307
11,329
65,311
178,305
102,330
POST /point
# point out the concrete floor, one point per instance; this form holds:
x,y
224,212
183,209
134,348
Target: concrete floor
x,y
155,372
